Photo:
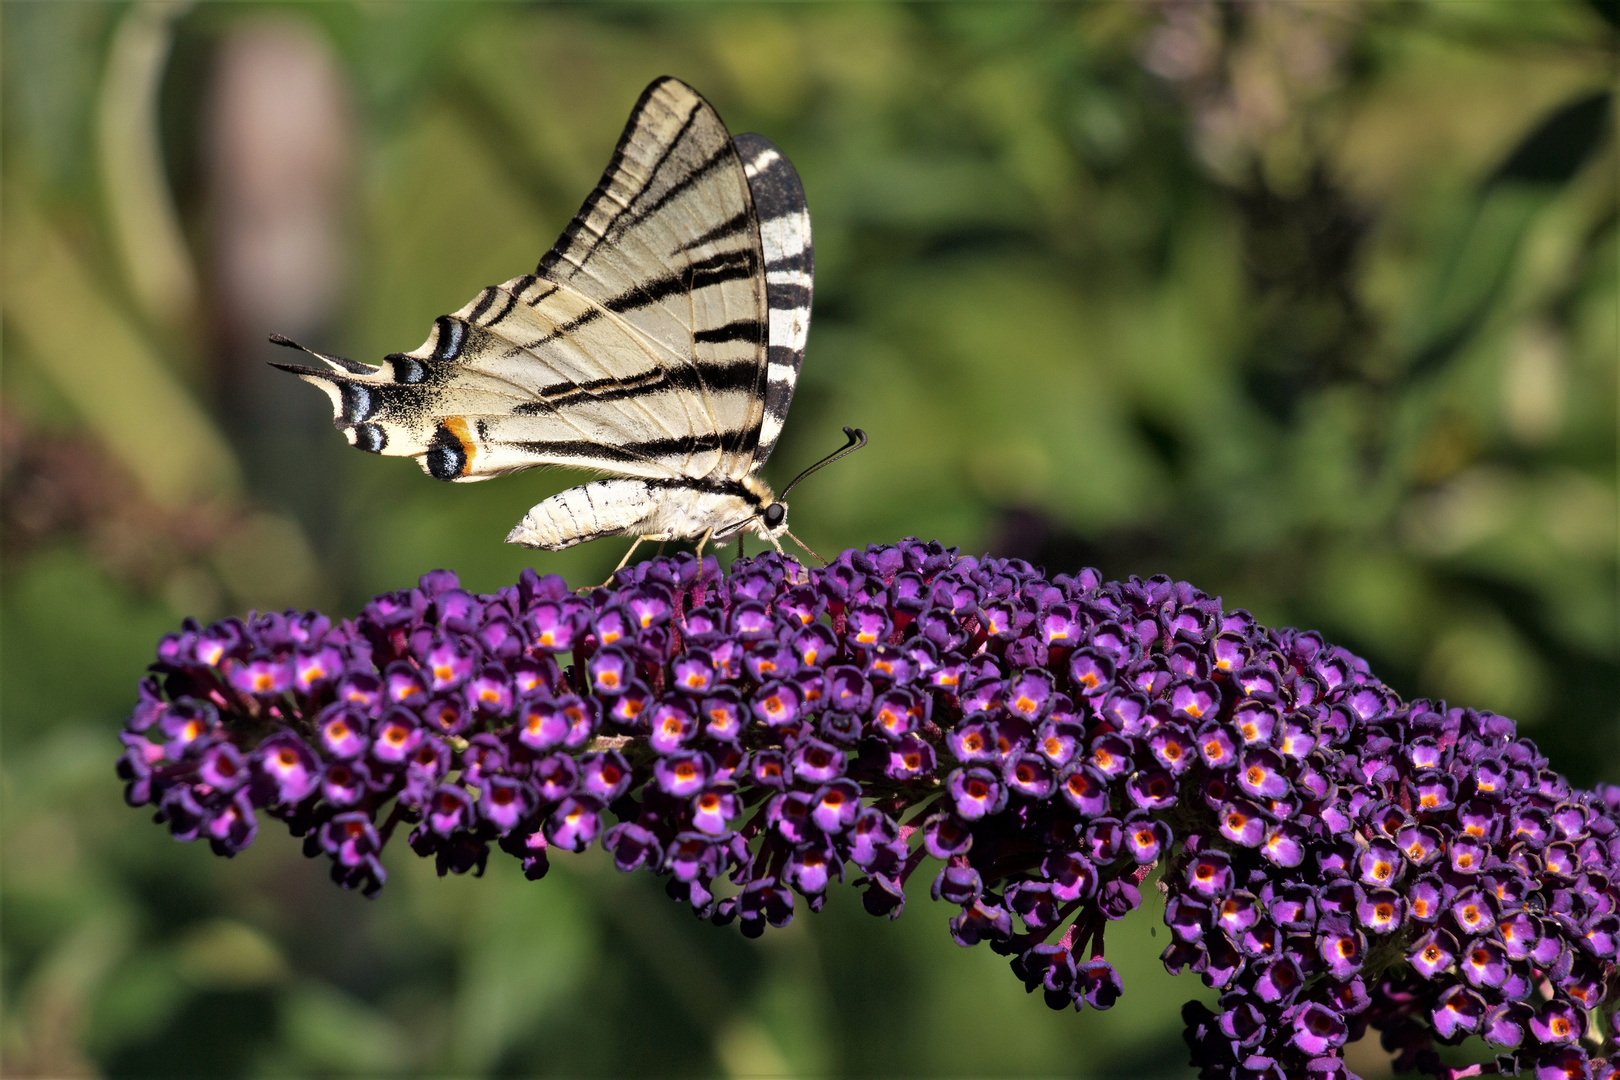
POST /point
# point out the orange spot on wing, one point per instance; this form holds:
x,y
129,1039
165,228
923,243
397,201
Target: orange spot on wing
x,y
457,426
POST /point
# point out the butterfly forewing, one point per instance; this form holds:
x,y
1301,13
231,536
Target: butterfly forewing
x,y
659,339
784,231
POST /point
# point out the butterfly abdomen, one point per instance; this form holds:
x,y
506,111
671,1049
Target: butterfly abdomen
x,y
653,509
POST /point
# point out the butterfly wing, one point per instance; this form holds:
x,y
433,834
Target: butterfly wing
x,y
784,233
638,347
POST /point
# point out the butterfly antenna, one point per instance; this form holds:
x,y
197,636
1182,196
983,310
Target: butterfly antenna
x,y
857,439
806,547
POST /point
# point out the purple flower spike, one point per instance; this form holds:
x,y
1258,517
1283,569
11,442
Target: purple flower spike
x,y
1348,863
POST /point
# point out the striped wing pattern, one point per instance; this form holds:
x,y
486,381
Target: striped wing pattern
x,y
660,338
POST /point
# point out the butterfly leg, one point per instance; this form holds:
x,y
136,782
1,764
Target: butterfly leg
x,y
703,543
622,561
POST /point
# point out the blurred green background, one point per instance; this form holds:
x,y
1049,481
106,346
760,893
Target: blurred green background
x,y
1313,305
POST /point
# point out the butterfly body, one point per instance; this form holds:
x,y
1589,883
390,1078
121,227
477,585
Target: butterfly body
x,y
652,510
659,341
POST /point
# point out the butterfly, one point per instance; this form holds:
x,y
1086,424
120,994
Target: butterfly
x,y
659,340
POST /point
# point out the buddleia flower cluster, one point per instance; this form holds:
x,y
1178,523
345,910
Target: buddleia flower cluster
x,y
1333,859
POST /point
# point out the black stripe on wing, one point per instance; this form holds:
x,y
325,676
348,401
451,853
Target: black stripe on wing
x,y
714,377
649,449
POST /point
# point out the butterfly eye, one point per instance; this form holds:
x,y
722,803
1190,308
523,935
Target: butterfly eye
x,y
774,514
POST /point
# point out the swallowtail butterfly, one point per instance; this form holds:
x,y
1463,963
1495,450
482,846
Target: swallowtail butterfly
x,y
659,341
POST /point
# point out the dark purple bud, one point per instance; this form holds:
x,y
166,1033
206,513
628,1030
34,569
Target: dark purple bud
x,y
1097,983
